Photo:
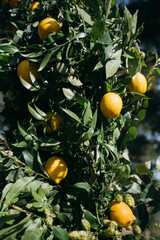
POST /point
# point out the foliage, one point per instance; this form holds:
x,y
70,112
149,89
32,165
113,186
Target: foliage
x,y
95,52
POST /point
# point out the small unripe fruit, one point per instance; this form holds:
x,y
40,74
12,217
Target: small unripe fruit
x,y
47,211
106,222
86,225
49,220
129,228
78,235
118,198
137,230
113,224
142,54
109,232
118,235
130,200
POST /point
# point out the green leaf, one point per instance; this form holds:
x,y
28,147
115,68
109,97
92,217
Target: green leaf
x,y
17,188
145,104
68,93
22,144
94,120
107,7
11,232
143,168
8,48
87,115
104,38
86,136
141,114
124,170
24,132
98,66
91,218
80,99
30,157
28,85
60,233
112,67
72,115
48,143
133,64
82,186
43,114
98,29
34,113
34,231
108,51
8,216
45,61
6,189
132,132
63,218
36,196
85,16
134,189
132,21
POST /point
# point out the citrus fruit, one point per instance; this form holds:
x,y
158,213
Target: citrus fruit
x,y
14,3
33,6
4,2
138,83
24,68
55,122
46,26
111,105
121,213
56,169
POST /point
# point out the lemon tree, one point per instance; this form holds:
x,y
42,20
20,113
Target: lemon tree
x,y
68,72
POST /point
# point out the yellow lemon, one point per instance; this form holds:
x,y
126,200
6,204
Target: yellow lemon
x,y
56,168
33,6
24,68
111,105
46,26
138,83
55,122
121,213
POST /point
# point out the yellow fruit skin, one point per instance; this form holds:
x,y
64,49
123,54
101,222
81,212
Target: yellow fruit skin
x,y
138,83
14,3
55,121
121,213
56,169
4,2
111,105
46,26
24,69
33,6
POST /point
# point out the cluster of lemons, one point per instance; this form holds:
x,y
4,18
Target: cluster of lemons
x,y
110,105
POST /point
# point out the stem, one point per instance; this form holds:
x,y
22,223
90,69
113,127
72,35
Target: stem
x,y
21,210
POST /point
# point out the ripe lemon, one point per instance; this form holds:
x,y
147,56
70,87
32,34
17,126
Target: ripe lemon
x,y
33,6
24,69
46,26
56,169
138,83
55,122
111,105
121,213
14,3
